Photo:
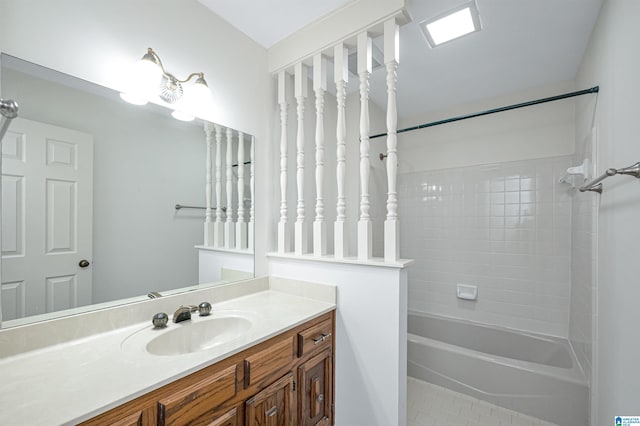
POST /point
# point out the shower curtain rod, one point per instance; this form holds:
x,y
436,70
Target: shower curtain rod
x,y
594,89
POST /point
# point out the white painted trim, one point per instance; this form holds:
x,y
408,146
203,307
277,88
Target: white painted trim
x,y
343,25
374,261
225,250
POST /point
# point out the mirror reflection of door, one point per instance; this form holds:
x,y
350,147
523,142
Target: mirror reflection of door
x,y
47,179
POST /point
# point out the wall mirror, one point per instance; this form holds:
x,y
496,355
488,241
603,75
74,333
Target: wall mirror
x,y
90,188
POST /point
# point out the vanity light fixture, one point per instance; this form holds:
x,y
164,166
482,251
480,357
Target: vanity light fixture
x,y
151,80
451,25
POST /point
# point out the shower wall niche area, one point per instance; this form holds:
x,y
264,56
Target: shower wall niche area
x,y
505,228
482,205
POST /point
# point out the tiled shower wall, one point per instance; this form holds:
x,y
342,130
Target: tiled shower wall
x,y
505,228
584,237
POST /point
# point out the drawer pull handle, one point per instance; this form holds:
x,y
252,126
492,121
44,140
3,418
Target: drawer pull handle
x,y
272,412
321,339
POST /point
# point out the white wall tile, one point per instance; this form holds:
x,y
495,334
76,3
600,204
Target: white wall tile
x,y
505,228
582,236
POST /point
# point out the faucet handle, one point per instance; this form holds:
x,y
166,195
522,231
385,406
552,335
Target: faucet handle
x,y
160,320
204,309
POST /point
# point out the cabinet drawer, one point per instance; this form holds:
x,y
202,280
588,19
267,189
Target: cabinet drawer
x,y
315,338
134,419
269,363
230,418
198,400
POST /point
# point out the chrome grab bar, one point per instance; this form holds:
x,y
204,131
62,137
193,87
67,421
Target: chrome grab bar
x,y
180,206
596,186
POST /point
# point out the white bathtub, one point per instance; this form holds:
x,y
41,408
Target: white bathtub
x,y
533,374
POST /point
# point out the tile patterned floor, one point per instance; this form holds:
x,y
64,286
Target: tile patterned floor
x,y
431,405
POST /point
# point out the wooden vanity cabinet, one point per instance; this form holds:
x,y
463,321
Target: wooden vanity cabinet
x,y
284,381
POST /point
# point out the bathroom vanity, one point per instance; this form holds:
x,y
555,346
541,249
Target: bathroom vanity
x,y
287,380
264,356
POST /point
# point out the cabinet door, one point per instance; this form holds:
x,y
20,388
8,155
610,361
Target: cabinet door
x,y
274,406
315,378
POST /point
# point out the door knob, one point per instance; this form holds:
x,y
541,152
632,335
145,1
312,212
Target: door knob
x,y
83,263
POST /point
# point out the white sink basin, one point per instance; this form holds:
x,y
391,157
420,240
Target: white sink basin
x,y
195,335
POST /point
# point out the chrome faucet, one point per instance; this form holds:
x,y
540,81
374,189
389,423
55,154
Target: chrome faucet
x,y
183,313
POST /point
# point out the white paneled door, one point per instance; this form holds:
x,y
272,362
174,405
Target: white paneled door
x,y
47,180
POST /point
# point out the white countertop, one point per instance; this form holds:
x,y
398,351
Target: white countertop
x,y
76,380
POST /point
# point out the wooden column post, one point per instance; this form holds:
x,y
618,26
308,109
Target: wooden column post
x,y
365,243
341,76
301,93
208,187
391,226
229,225
320,87
251,230
218,228
241,223
284,235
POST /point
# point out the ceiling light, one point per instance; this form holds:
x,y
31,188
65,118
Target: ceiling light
x,y
456,23
149,80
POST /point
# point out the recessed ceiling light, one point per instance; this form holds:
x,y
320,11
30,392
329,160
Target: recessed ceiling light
x,y
460,21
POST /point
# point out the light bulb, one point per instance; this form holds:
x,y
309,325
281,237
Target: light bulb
x,y
146,77
133,99
182,116
198,95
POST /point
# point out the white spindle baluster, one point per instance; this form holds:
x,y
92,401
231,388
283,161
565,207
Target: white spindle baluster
x,y
365,244
250,231
341,73
301,93
391,53
319,86
208,221
241,223
229,226
218,229
284,239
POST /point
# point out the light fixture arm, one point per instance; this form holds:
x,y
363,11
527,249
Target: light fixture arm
x,y
155,58
192,75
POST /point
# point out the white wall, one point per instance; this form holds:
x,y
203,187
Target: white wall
x,y
101,40
611,61
539,131
216,265
371,338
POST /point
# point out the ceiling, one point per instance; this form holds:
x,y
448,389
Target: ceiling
x,y
269,21
523,44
